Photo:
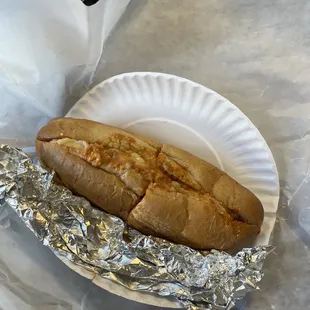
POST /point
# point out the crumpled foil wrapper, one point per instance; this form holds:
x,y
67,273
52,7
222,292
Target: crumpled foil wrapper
x,y
103,244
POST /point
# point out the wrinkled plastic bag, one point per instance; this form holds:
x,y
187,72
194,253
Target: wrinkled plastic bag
x,y
255,53
49,53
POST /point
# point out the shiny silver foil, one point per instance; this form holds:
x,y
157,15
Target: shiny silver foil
x,y
102,243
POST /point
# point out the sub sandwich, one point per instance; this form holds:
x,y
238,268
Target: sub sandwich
x,y
158,189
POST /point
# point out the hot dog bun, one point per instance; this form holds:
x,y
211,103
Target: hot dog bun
x,y
156,188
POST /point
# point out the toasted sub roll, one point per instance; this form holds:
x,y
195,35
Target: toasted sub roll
x,y
157,189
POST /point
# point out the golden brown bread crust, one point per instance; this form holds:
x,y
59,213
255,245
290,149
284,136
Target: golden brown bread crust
x,y
221,186
101,188
199,222
158,189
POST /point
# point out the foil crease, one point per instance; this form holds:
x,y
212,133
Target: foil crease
x,y
103,244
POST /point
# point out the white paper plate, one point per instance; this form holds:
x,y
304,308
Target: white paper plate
x,y
185,114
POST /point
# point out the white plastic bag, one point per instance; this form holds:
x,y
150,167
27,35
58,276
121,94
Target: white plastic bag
x,y
49,50
255,53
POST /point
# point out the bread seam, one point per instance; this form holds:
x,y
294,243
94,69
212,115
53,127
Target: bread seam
x,y
182,167
244,220
187,218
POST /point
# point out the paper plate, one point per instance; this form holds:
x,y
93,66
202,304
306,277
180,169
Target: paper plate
x,y
188,115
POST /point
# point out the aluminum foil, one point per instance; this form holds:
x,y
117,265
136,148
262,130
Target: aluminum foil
x,y
103,244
